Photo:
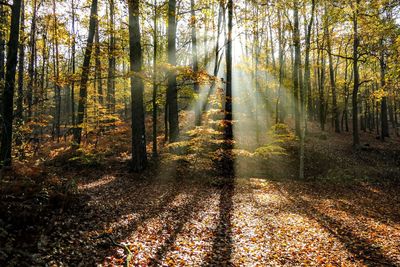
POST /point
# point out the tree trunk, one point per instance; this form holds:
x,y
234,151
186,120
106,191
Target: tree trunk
x,y
73,65
155,86
195,64
335,110
172,92
111,63
31,67
57,87
307,68
356,83
228,133
85,73
98,67
139,157
384,109
8,94
21,63
296,68
280,110
2,52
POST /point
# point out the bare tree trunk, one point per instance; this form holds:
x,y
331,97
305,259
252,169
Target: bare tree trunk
x,y
155,86
195,64
228,133
384,109
172,91
21,63
98,67
57,87
356,83
111,63
73,65
85,73
335,110
2,52
139,156
296,68
8,94
31,67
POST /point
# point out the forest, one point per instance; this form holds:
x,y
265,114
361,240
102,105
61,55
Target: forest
x,y
200,133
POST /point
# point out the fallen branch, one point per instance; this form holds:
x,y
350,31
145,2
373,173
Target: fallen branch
x,y
126,249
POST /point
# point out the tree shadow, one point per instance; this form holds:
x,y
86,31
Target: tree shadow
x,y
360,248
182,216
222,248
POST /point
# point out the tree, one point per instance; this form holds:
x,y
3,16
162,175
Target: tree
x,y
356,75
8,94
327,33
172,91
111,62
85,73
195,63
228,133
139,155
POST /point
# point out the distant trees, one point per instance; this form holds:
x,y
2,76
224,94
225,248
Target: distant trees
x,y
335,63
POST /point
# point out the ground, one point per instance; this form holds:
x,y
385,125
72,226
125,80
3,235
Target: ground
x,y
183,212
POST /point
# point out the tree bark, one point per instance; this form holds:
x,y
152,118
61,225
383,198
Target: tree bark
x,y
85,73
111,63
195,64
384,109
172,92
228,133
296,68
139,156
31,67
8,94
155,86
335,110
356,83
21,63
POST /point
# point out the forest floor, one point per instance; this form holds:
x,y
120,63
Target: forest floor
x,y
182,212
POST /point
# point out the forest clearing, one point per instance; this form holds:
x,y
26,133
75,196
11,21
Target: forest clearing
x,y
199,133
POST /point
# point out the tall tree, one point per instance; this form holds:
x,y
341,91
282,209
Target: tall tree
x,y
85,73
356,74
21,63
56,71
327,33
307,68
2,49
384,108
296,67
111,61
195,63
32,59
73,52
172,90
228,133
8,94
139,156
155,85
